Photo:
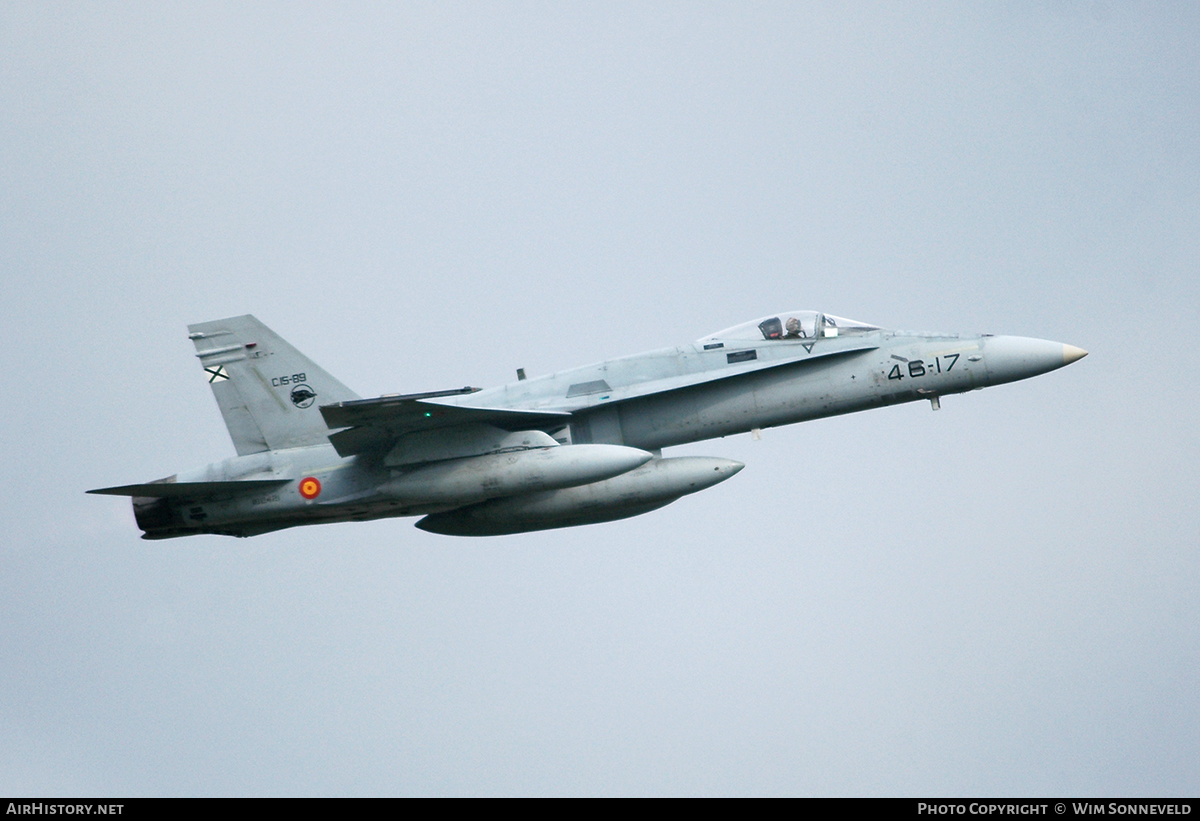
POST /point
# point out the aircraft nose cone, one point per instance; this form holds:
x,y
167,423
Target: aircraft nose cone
x,y
1072,354
1009,358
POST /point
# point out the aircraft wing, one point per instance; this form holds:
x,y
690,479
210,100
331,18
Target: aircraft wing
x,y
372,424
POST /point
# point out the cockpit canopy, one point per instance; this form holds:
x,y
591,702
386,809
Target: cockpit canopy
x,y
790,326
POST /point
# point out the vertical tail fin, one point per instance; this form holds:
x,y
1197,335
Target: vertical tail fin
x,y
267,390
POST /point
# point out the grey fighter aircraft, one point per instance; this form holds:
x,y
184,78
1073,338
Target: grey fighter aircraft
x,y
573,448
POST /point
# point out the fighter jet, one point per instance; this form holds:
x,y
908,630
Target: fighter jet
x,y
578,447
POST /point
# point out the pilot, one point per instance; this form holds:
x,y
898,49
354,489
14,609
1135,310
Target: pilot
x,y
794,331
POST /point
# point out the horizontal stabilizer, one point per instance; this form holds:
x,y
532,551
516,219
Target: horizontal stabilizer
x,y
190,489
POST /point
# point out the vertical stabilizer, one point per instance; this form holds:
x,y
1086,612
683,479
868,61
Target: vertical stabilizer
x,y
268,392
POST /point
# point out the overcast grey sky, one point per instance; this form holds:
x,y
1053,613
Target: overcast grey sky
x,y
999,598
